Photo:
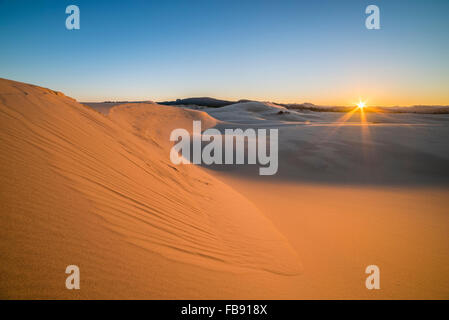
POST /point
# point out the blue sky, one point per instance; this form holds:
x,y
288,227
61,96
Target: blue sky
x,y
287,51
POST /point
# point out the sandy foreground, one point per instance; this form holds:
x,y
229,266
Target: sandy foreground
x,y
99,191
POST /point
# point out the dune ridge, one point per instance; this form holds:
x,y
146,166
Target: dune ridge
x,y
79,188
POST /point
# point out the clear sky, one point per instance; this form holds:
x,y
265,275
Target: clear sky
x,y
286,51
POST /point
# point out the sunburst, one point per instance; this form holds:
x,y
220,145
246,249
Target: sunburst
x,y
361,105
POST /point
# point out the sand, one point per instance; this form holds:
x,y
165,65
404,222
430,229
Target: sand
x,y
339,230
98,190
351,191
79,189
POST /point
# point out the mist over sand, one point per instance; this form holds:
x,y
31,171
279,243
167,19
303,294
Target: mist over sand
x,y
98,190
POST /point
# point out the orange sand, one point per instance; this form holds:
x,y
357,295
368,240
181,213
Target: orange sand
x,y
79,187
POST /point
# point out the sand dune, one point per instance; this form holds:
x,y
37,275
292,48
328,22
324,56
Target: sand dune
x,y
78,188
253,112
99,191
335,148
154,123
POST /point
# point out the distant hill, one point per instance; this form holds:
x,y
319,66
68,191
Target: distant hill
x,y
203,101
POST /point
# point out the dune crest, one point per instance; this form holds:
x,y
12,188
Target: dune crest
x,y
78,188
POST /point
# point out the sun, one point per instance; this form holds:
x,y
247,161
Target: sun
x,y
361,105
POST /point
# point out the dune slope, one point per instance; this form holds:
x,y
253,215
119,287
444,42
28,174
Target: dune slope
x,y
78,188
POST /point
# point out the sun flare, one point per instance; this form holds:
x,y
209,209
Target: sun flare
x,y
361,105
